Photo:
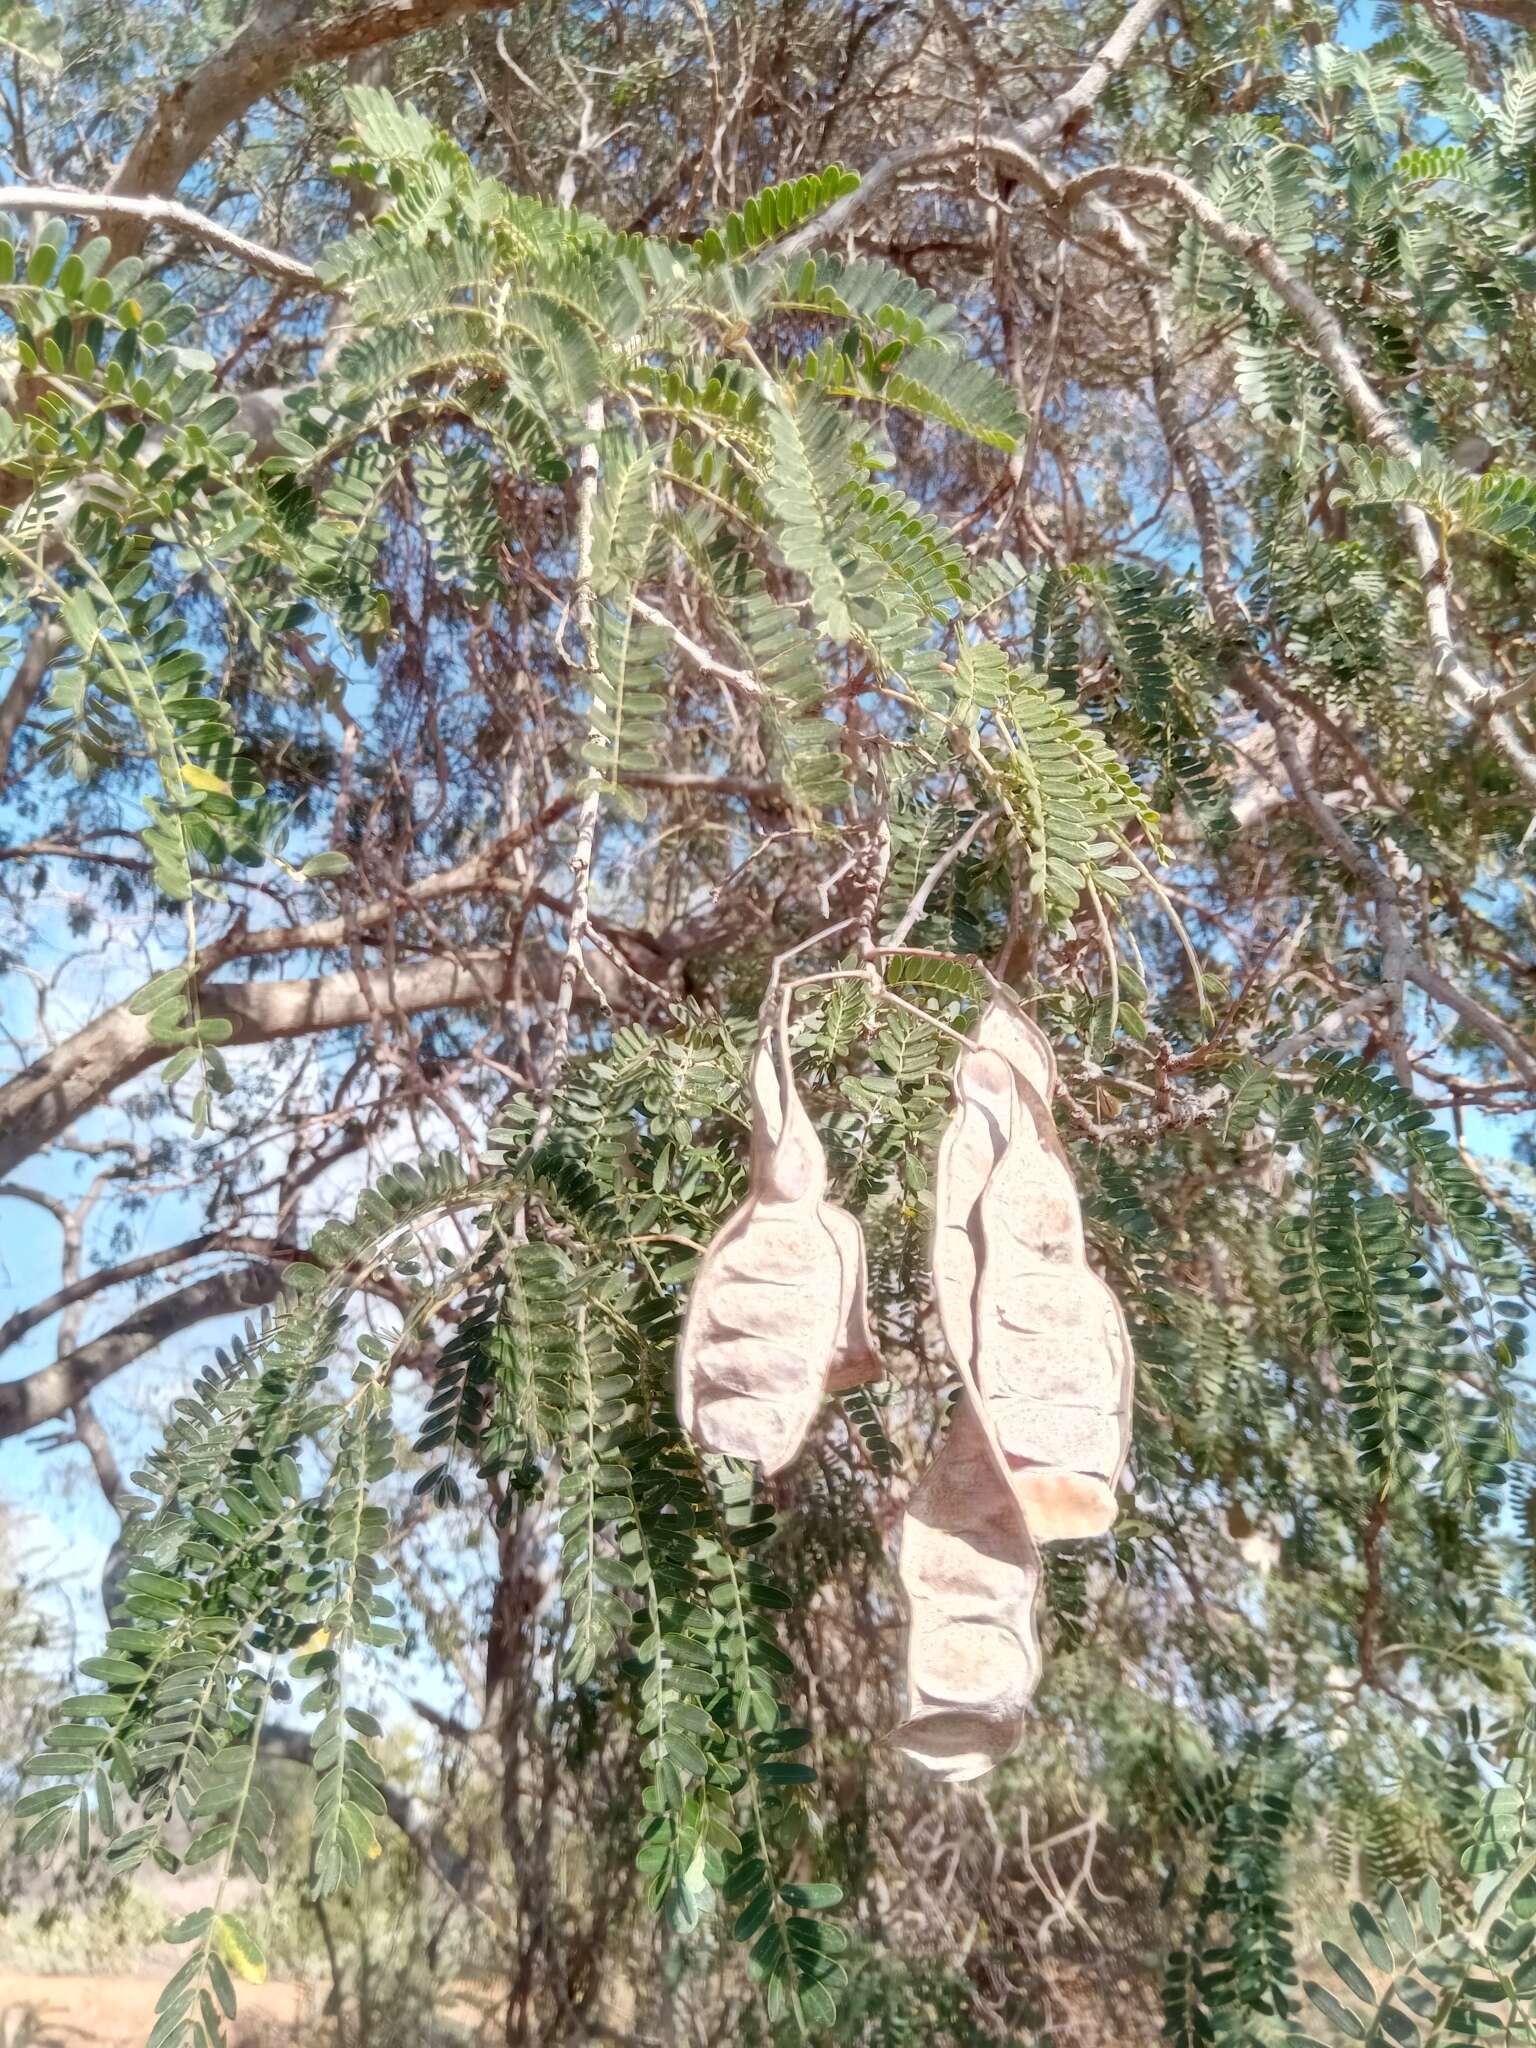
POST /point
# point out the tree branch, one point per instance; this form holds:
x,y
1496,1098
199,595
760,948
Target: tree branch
x,y
277,39
1378,422
162,213
1024,137
54,1389
1400,964
88,1285
45,1098
1521,12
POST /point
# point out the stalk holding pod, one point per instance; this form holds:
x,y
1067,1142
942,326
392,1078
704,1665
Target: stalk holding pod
x,y
778,1313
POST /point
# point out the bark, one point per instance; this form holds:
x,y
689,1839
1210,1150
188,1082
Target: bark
x,y
1521,12
143,214
1026,136
47,643
279,38
56,1388
43,1100
88,1285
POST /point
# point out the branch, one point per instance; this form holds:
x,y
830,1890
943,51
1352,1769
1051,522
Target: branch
x,y
54,1389
277,39
16,1326
573,965
738,678
1400,965
45,1098
160,213
1020,137
1378,422
325,933
40,1103
47,643
1521,12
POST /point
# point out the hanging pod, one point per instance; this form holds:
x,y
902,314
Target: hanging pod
x,y
969,1568
1041,1430
778,1312
1052,1360
971,1576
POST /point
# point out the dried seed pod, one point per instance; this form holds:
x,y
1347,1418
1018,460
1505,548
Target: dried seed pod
x,y
1003,1028
969,1569
1041,1432
971,1576
1052,1358
969,1153
856,1360
779,1298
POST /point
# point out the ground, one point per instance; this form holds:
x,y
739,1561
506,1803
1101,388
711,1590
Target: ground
x,y
67,2011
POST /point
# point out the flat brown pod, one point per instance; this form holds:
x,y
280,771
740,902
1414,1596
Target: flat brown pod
x,y
969,1152
1052,1357
779,1299
971,1576
968,1567
1042,1428
856,1360
1003,1028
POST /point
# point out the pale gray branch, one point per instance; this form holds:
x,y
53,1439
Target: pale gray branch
x,y
87,1285
54,1389
1020,137
161,213
1378,422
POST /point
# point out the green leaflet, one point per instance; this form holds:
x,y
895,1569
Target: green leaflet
x,y
773,212
456,492
813,467
628,683
959,392
624,511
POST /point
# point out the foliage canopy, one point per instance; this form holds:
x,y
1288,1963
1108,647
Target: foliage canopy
x,y
626,563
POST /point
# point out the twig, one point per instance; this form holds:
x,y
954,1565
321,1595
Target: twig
x,y
1377,420
938,871
1023,137
587,817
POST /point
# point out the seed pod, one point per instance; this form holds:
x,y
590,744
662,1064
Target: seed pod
x,y
856,1360
1052,1359
969,1569
779,1299
969,1153
971,1576
1004,1029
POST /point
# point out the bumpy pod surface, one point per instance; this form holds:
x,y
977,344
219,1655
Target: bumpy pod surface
x,y
971,1576
1052,1356
1041,1432
778,1308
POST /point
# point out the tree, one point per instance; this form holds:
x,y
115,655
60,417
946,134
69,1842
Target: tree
x,y
508,544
